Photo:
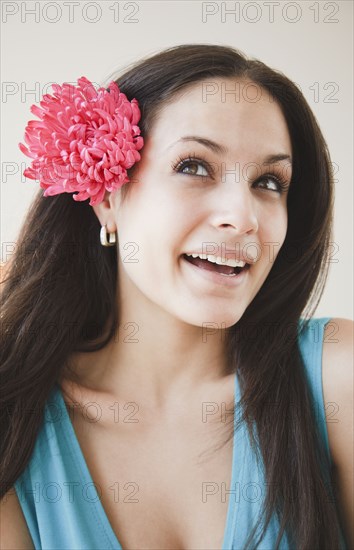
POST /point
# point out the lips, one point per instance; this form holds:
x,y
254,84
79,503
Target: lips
x,y
211,266
205,280
238,253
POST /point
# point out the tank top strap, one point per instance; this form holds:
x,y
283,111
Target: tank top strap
x,y
311,334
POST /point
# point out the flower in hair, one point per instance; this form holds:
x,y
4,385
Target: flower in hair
x,y
84,142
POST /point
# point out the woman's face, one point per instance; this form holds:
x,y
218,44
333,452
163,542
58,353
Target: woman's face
x,y
227,198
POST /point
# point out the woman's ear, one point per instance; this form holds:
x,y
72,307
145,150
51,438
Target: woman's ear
x,y
105,212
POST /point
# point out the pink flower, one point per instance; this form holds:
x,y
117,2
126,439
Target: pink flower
x,y
85,140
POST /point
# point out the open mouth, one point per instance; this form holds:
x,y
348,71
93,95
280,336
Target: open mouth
x,y
216,268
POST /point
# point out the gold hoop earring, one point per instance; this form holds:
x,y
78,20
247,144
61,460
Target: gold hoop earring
x,y
111,241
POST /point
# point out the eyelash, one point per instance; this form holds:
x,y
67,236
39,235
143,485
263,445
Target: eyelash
x,y
182,162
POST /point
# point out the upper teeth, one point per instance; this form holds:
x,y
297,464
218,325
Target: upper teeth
x,y
219,260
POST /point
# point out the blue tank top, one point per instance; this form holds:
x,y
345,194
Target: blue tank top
x,y
61,503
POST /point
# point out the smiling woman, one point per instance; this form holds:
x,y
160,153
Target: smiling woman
x,y
197,271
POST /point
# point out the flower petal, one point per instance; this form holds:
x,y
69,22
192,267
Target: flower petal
x,y
84,141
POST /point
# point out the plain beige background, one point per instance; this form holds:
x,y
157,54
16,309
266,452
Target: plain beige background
x,y
311,42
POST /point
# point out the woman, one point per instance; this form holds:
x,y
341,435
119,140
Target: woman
x,y
156,343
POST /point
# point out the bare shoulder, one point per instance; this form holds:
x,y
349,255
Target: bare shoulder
x,y
338,393
14,533
338,385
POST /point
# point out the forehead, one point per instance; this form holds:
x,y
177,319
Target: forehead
x,y
238,114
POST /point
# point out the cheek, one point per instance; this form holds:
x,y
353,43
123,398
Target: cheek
x,y
274,222
282,225
273,231
149,243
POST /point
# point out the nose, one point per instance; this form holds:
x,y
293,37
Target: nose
x,y
234,207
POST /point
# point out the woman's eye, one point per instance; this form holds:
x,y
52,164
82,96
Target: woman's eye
x,y
193,168
273,183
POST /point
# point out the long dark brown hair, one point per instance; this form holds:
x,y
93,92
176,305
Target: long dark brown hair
x,y
59,297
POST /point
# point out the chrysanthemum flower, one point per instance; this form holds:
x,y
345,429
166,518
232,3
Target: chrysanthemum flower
x,y
84,142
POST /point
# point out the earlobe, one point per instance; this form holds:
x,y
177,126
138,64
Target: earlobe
x,y
105,213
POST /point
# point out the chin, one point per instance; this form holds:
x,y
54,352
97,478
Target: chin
x,y
215,320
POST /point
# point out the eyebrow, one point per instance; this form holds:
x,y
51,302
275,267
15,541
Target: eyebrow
x,y
217,148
